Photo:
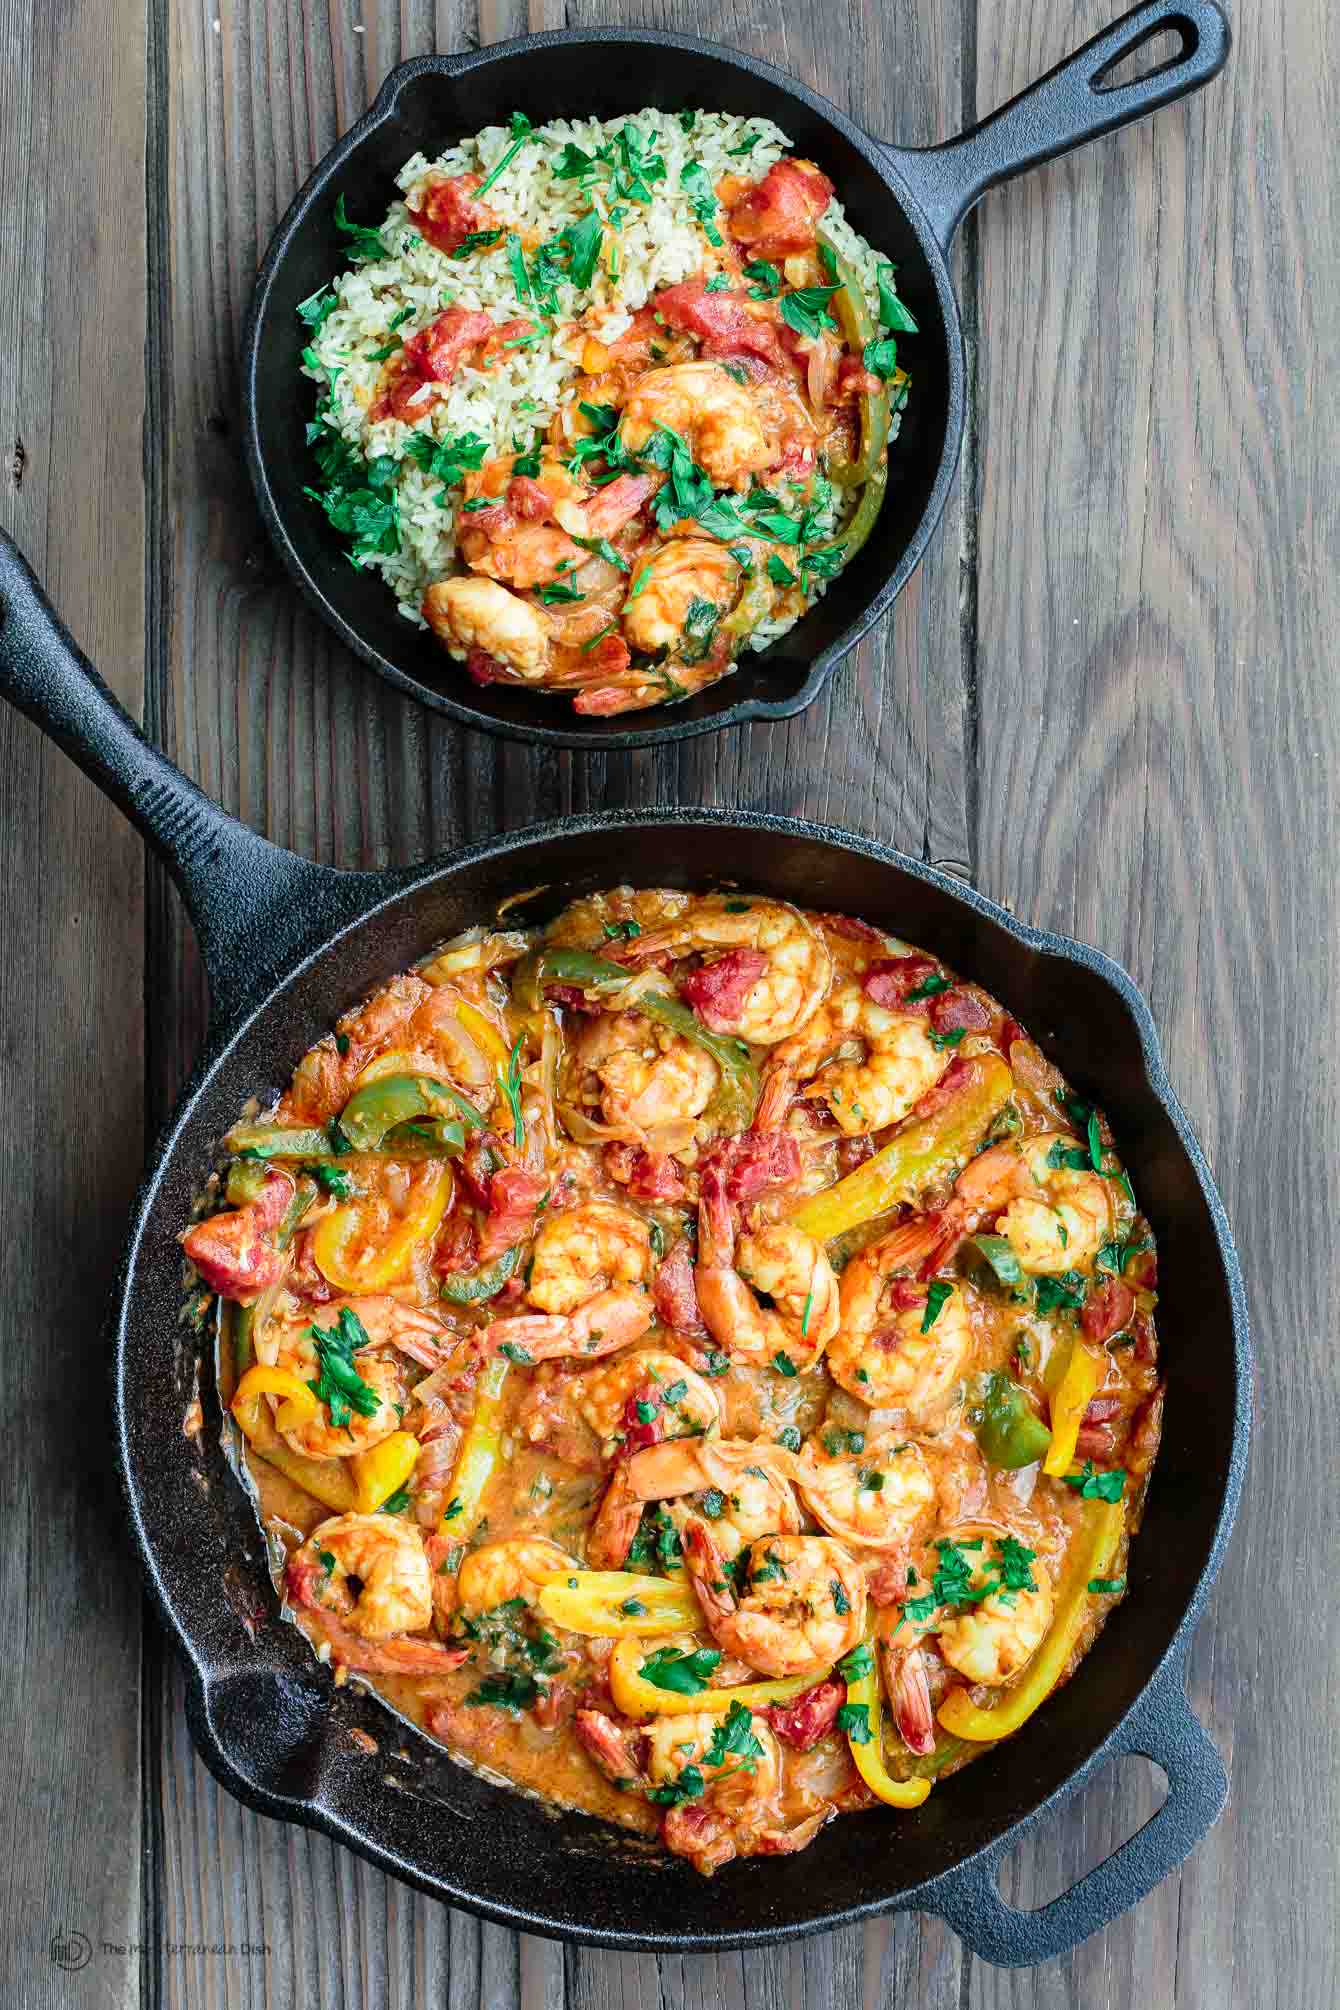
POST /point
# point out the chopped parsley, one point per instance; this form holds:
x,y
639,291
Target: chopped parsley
x,y
805,310
789,1438
938,1296
682,1674
942,1040
841,1602
1091,1485
447,460
317,307
690,1786
358,496
521,130
333,1180
881,358
1106,1587
767,280
1114,1256
364,243
783,1363
339,1385
506,1692
602,548
854,1667
734,1739
779,572
712,1503
929,987
397,1502
854,1719
892,312
511,1084
516,1352
1060,1294
697,185
716,1363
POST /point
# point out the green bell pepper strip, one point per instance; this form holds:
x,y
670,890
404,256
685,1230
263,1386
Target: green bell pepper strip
x,y
1010,1434
397,1099
739,1077
246,1177
858,329
738,1094
559,965
473,1287
426,1137
267,1141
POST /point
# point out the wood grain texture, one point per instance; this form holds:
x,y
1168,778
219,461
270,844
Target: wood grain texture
x,y
71,411
1159,764
1106,695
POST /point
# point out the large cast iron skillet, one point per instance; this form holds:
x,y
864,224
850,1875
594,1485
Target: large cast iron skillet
x,y
908,203
288,945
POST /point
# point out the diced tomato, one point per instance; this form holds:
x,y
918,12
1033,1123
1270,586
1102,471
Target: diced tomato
x,y
647,1175
752,1162
1106,1311
718,990
514,1200
529,500
722,322
854,381
854,929
437,351
1007,1032
458,1245
675,1293
234,1252
853,1152
890,978
780,214
495,345
571,999
1094,1441
960,1008
1102,1410
804,1721
639,1430
610,656
449,213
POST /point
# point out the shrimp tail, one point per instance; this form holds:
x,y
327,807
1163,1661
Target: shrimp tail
x,y
405,1656
910,1696
923,1245
707,1567
616,1523
613,1744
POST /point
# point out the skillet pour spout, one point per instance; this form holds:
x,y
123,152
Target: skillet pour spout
x,y
288,946
906,202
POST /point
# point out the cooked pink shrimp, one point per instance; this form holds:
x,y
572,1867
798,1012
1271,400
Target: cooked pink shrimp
x,y
802,1607
588,1278
777,1259
1054,1216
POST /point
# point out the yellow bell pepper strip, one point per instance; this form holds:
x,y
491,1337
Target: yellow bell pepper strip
x,y
374,1267
480,1451
1084,1371
608,1603
638,1697
922,1152
1009,1431
299,1405
383,1469
475,1287
326,1480
379,1106
1096,1547
268,1141
862,1719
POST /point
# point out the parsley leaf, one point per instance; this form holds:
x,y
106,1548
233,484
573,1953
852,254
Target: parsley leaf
x,y
1106,1587
1060,1294
682,1674
1091,1485
506,1692
447,460
783,1363
881,358
697,185
892,312
804,310
937,1297
690,1786
365,243
767,280
734,1739
339,1385
854,1719
521,130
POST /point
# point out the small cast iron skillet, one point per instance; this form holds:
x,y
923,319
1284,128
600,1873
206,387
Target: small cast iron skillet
x,y
288,946
908,203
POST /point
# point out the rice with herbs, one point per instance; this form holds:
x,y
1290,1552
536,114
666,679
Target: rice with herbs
x,y
651,211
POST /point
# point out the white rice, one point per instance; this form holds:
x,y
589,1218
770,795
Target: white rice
x,y
660,242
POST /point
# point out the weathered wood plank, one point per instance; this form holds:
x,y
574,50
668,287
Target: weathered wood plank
x,y
1157,607
260,706
71,1009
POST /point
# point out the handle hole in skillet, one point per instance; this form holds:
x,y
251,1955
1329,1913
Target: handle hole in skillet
x,y
1093,1825
1148,56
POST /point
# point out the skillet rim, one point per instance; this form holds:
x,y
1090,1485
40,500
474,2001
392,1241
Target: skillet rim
x,y
600,737
392,886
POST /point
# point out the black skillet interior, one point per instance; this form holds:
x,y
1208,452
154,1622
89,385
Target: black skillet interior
x,y
288,946
907,203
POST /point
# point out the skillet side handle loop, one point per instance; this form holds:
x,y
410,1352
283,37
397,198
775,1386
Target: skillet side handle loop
x,y
1164,1729
1067,108
254,906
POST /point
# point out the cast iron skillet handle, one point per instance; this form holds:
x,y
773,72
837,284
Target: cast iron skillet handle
x,y
1066,108
1162,1728
255,907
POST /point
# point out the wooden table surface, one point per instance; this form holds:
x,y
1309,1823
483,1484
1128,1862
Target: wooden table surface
x,y
1107,698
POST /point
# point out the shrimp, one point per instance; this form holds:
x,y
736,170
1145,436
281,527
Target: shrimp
x,y
479,614
516,1568
588,1277
900,1064
771,978
678,1400
785,1263
713,414
742,1488
381,1374
384,1556
690,576
802,1606
1054,1216
889,1351
986,1639
872,1498
648,1075
586,1250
